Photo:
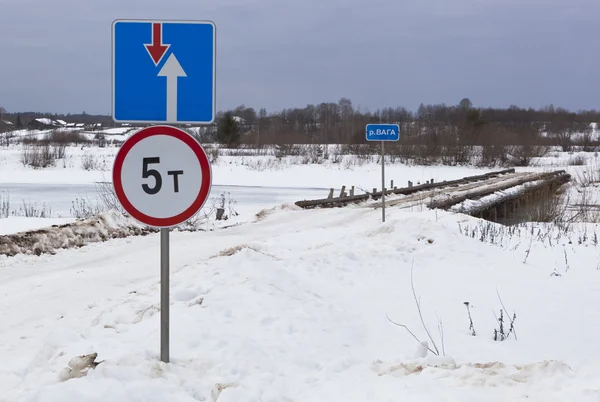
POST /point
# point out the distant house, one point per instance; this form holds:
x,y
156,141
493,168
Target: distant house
x,y
94,126
43,123
6,125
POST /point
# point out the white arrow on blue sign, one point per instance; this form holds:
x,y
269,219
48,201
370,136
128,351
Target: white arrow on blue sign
x,y
164,71
383,132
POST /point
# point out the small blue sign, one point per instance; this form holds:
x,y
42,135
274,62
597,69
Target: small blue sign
x,y
383,132
163,71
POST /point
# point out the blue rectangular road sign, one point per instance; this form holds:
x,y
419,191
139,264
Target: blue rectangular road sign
x,y
163,71
383,132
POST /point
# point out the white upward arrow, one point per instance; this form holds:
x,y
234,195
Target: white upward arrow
x,y
172,70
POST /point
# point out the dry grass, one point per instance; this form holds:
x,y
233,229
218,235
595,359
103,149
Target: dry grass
x,y
548,205
588,176
578,160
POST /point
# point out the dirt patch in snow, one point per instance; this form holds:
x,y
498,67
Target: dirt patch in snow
x,y
228,252
264,213
477,373
110,225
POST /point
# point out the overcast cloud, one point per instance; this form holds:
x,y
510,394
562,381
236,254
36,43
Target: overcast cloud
x,y
55,55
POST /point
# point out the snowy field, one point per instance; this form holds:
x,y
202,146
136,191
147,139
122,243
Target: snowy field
x,y
299,305
293,308
263,171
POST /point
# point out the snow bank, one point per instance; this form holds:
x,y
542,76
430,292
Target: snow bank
x,y
106,226
293,308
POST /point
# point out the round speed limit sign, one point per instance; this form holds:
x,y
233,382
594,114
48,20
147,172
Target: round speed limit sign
x,y
161,176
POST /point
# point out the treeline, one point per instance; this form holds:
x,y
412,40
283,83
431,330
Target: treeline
x,y
437,125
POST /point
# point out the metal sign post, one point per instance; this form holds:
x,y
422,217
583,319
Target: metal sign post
x,y
162,177
163,72
382,182
164,294
383,133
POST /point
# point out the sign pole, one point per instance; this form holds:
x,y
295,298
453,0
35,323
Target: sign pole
x,y
383,133
164,295
382,182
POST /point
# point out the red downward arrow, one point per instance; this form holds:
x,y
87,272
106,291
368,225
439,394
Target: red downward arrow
x,y
156,49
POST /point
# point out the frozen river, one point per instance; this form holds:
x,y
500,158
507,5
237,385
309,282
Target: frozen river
x,y
59,198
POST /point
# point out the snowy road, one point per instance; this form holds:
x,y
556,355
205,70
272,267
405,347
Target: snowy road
x,y
293,307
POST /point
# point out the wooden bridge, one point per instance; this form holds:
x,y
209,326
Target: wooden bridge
x,y
496,196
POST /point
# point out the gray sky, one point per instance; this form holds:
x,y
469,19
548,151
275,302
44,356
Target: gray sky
x,y
55,55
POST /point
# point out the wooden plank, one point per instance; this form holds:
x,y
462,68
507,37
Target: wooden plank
x,y
331,202
516,198
479,193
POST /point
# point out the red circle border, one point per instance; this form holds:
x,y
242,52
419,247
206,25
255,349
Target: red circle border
x,y
204,167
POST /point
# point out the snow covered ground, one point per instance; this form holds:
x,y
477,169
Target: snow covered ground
x,y
293,307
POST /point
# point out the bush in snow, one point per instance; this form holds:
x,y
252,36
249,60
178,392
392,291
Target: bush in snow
x,y
471,326
38,156
31,210
4,204
212,153
5,139
65,137
91,162
83,209
548,206
219,208
501,333
27,210
60,151
577,161
282,150
588,176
